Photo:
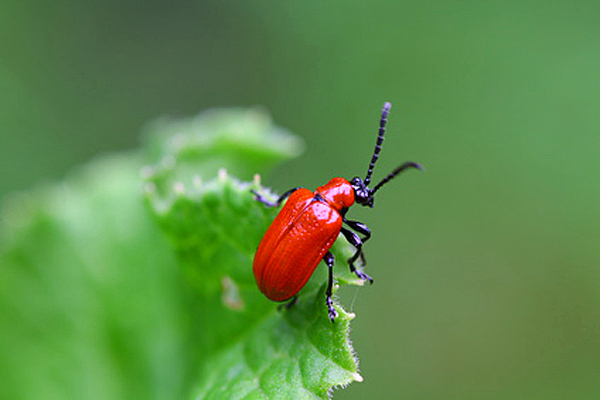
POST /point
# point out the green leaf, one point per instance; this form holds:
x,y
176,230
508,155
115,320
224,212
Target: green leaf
x,y
215,226
90,293
100,298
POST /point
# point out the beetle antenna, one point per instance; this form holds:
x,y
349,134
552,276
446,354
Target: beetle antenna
x,y
395,172
382,121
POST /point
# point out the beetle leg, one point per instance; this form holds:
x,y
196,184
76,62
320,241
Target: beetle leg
x,y
289,304
363,261
329,261
360,228
276,203
355,241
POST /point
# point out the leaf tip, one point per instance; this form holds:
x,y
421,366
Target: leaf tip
x,y
357,377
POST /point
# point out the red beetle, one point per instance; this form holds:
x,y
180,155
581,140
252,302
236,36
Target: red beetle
x,y
308,224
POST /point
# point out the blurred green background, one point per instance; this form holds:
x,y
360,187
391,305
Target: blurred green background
x,y
487,266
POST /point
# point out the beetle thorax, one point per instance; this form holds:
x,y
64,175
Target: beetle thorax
x,y
338,193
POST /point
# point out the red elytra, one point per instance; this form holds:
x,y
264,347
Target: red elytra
x,y
308,225
302,233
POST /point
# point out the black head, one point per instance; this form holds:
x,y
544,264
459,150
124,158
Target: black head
x,y
364,195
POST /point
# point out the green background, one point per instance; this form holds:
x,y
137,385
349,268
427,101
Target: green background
x,y
486,267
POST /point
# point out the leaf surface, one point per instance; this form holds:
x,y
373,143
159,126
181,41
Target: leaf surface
x,y
105,297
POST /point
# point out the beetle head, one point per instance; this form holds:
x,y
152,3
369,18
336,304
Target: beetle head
x,y
362,194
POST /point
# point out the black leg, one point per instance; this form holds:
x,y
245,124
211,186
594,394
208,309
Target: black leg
x,y
268,203
329,261
360,228
363,261
289,304
355,241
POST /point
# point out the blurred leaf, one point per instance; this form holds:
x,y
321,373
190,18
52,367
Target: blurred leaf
x,y
242,141
90,303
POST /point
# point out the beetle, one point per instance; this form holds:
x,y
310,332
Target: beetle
x,y
308,225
